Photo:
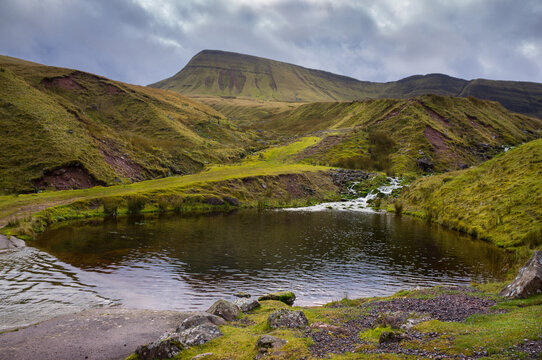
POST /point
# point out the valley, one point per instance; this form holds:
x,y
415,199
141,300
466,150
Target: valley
x,y
224,148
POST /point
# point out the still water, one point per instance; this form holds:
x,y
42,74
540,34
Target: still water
x,y
187,262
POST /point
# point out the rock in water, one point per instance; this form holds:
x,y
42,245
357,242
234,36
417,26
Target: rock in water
x,y
287,319
286,297
241,294
160,349
225,310
529,279
247,305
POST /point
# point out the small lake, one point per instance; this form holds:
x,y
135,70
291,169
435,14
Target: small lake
x,y
187,262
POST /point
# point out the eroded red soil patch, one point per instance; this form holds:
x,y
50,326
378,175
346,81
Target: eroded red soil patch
x,y
62,82
69,177
121,163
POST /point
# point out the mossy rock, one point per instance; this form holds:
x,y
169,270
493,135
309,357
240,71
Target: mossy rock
x,y
286,297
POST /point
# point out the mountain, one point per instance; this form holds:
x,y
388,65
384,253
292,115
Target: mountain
x,y
429,133
227,74
64,129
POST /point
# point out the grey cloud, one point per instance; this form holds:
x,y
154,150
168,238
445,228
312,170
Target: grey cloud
x,y
142,42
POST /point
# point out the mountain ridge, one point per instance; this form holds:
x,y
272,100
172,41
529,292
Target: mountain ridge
x,y
228,74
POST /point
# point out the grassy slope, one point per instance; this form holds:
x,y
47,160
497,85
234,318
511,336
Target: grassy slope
x,y
446,131
498,200
227,74
53,117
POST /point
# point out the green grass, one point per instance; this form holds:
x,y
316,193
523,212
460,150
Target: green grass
x,y
498,201
53,118
493,333
447,132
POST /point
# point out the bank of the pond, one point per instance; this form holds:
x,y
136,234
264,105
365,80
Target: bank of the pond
x,y
288,186
437,323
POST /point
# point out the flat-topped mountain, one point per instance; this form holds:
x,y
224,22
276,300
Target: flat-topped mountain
x,y
227,74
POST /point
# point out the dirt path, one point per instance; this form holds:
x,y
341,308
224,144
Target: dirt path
x,y
97,334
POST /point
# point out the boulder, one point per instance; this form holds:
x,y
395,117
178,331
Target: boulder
x,y
268,342
160,349
246,305
394,319
199,319
529,279
11,243
286,297
224,309
200,334
284,318
388,337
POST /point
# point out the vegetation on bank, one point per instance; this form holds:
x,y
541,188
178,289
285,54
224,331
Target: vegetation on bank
x,y
499,200
270,178
341,330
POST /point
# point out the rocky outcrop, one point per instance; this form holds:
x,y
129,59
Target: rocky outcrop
x,y
246,305
199,334
284,318
286,297
529,279
199,319
225,310
160,349
10,242
197,329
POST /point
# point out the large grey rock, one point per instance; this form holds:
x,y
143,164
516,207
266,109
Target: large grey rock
x,y
225,310
246,305
199,319
10,243
529,279
284,318
199,335
160,349
286,297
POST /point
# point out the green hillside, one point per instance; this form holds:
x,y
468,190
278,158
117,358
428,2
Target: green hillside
x,y
424,134
63,128
498,200
227,74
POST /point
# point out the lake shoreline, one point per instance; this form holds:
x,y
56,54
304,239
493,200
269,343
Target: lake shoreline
x,y
106,333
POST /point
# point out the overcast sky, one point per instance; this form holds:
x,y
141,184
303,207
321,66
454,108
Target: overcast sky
x,y
143,41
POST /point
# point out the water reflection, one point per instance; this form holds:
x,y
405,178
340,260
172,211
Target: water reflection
x,y
186,262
